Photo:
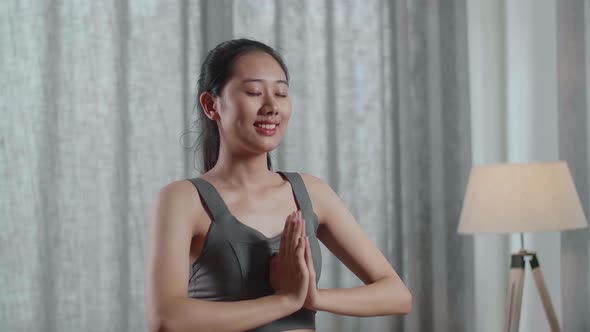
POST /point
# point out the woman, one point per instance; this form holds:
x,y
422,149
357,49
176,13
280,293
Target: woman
x,y
237,248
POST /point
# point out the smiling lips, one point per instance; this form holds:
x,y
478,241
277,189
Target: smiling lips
x,y
266,128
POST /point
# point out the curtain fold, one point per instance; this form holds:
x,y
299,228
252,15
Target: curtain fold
x,y
96,99
573,71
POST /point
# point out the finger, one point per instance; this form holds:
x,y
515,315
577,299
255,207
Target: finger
x,y
307,250
309,259
302,224
301,233
298,252
285,236
301,257
291,243
301,247
295,234
308,255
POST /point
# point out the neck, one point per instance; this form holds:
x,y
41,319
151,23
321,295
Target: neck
x,y
242,170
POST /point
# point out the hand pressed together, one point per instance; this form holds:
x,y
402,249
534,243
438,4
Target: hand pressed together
x,y
291,270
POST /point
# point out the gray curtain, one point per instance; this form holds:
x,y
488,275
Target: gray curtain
x,y
95,97
573,73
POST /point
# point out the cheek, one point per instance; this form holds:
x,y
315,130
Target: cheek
x,y
240,110
287,110
243,101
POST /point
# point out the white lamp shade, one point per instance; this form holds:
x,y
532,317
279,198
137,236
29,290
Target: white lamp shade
x,y
514,198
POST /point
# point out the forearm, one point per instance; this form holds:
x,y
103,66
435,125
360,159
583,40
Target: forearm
x,y
188,314
381,298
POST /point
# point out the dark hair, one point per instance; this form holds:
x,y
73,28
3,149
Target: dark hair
x,y
216,70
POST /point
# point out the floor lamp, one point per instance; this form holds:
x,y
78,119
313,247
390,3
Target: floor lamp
x,y
519,198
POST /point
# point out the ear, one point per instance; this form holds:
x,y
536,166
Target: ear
x,y
209,105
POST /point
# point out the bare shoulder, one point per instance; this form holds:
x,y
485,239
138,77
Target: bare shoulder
x,y
313,183
180,201
320,194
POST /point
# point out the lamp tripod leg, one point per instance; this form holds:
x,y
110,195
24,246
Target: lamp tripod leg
x,y
514,300
544,294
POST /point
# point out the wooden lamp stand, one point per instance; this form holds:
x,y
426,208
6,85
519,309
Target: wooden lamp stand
x,y
515,287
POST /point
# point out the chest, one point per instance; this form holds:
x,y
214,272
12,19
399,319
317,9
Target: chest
x,y
265,212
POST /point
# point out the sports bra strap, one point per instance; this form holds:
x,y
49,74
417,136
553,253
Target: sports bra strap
x,y
211,197
218,208
299,189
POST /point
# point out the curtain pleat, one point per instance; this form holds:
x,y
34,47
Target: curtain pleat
x,y
573,71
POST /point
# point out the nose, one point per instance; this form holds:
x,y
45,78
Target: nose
x,y
272,110
270,107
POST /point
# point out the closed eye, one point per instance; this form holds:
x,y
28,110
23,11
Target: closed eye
x,y
253,93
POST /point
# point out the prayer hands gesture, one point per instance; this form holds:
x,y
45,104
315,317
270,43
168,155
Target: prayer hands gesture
x,y
291,269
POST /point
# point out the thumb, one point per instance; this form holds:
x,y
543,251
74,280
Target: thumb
x,y
308,256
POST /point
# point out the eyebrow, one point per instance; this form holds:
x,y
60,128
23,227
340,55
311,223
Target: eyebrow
x,y
246,80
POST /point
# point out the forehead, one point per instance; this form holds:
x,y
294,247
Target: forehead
x,y
258,65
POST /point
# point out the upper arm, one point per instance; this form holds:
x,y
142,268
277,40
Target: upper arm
x,y
342,235
172,226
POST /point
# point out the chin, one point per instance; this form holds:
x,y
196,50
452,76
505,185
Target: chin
x,y
269,148
270,144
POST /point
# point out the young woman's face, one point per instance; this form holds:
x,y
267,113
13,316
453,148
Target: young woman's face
x,y
254,106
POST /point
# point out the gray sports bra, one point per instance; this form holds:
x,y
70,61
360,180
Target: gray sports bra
x,y
234,262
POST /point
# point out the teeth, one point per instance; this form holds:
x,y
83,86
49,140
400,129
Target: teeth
x,y
266,126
